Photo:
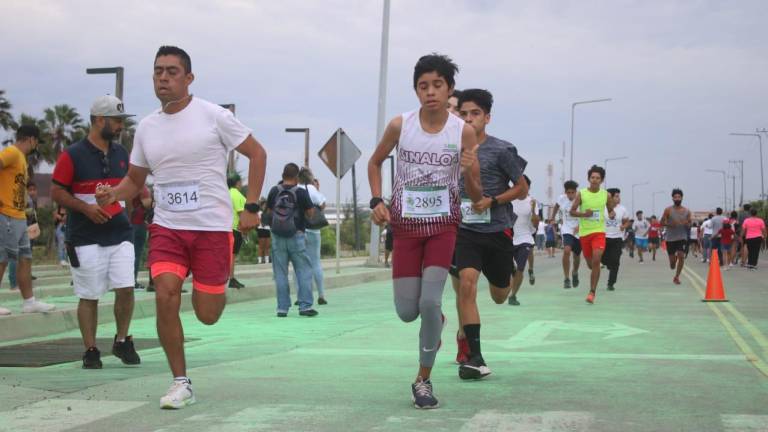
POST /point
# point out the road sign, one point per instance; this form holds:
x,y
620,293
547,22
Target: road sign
x,y
349,153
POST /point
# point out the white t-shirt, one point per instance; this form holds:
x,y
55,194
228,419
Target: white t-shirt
x,y
613,226
641,229
187,154
542,229
694,233
570,223
316,196
523,229
706,227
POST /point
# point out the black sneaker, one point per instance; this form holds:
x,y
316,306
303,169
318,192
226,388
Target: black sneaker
x,y
513,301
567,283
296,303
308,313
321,301
475,368
282,314
234,283
422,396
531,277
125,351
610,287
92,359
575,278
151,287
139,287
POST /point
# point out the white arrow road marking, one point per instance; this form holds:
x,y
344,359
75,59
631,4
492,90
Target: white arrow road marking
x,y
536,333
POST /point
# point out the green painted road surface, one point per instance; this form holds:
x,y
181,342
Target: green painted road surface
x,y
650,356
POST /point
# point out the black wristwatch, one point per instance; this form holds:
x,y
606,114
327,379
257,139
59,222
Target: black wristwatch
x,y
252,207
494,201
375,201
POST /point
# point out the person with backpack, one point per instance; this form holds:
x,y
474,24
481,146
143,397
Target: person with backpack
x,y
291,206
308,182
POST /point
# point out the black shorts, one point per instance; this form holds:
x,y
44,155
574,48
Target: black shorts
x,y
677,245
389,240
522,252
490,253
654,241
263,233
238,243
573,242
550,244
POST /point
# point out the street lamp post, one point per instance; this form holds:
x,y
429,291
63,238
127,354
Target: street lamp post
x,y
118,71
605,166
740,164
725,187
760,141
573,119
305,131
653,200
633,194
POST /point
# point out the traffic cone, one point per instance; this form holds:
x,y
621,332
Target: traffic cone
x,y
664,245
715,291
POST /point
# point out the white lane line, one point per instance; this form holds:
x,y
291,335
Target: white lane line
x,y
744,423
55,415
550,421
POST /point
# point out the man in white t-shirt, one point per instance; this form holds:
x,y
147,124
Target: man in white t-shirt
x,y
706,238
522,239
570,233
308,181
641,228
185,145
615,224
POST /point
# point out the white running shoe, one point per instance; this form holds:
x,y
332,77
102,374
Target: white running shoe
x,y
36,307
63,263
4,311
178,396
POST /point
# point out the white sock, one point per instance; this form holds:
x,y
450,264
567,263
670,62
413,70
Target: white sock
x,y
29,301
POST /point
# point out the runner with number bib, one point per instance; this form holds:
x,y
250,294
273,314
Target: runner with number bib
x,y
569,232
433,147
185,145
677,219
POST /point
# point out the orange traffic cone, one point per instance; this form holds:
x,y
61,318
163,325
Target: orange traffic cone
x,y
715,291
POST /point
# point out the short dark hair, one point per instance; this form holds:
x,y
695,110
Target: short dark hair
x,y
677,191
570,184
457,94
734,215
614,191
232,180
167,50
638,213
753,212
596,169
719,211
482,98
527,180
27,131
747,207
290,171
442,64
306,176
31,184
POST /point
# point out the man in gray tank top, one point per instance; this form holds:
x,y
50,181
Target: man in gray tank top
x,y
677,219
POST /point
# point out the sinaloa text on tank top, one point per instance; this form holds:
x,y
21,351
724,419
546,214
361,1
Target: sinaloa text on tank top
x,y
178,196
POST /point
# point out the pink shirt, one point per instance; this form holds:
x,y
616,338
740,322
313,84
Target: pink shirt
x,y
753,227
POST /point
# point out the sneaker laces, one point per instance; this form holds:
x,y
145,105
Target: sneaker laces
x,y
177,386
423,388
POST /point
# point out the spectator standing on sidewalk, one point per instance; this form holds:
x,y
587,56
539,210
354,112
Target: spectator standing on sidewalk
x,y
60,226
234,183
308,181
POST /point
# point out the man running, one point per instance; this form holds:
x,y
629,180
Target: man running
x,y
184,145
614,236
569,232
589,206
654,236
482,244
677,219
433,147
641,228
522,239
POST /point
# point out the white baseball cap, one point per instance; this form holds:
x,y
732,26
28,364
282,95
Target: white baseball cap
x,y
108,106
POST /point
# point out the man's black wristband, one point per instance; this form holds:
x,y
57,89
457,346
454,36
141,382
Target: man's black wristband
x,y
375,201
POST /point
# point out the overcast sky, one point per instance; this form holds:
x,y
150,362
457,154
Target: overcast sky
x,y
682,75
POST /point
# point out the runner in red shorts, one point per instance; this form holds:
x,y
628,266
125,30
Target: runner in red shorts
x,y
590,206
185,145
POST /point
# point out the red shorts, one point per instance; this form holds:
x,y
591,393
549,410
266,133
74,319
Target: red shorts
x,y
207,254
411,255
592,242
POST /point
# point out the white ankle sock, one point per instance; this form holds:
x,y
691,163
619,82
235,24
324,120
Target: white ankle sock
x,y
29,301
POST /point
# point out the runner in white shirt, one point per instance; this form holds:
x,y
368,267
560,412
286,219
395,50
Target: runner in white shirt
x,y
641,227
537,209
615,224
185,146
570,233
522,239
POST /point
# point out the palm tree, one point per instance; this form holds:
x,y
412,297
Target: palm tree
x,y
6,118
62,121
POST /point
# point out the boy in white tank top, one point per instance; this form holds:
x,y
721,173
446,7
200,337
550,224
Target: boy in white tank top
x,y
433,148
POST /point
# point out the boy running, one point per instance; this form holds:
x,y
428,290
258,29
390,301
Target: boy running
x,y
570,233
677,219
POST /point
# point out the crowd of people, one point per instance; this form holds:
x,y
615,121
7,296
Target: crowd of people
x,y
460,208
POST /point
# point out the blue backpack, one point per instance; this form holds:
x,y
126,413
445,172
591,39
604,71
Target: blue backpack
x,y
284,212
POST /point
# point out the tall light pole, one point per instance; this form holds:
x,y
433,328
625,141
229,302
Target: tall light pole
x,y
305,131
760,141
118,71
573,119
725,187
653,200
373,258
740,164
605,166
633,194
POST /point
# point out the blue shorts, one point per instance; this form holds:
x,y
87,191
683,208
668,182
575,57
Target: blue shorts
x,y
641,243
573,242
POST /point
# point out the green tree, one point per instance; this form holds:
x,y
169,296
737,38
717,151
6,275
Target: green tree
x,y
63,122
6,118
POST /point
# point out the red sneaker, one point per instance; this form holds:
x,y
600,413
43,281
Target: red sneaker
x,y
463,354
591,298
676,280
